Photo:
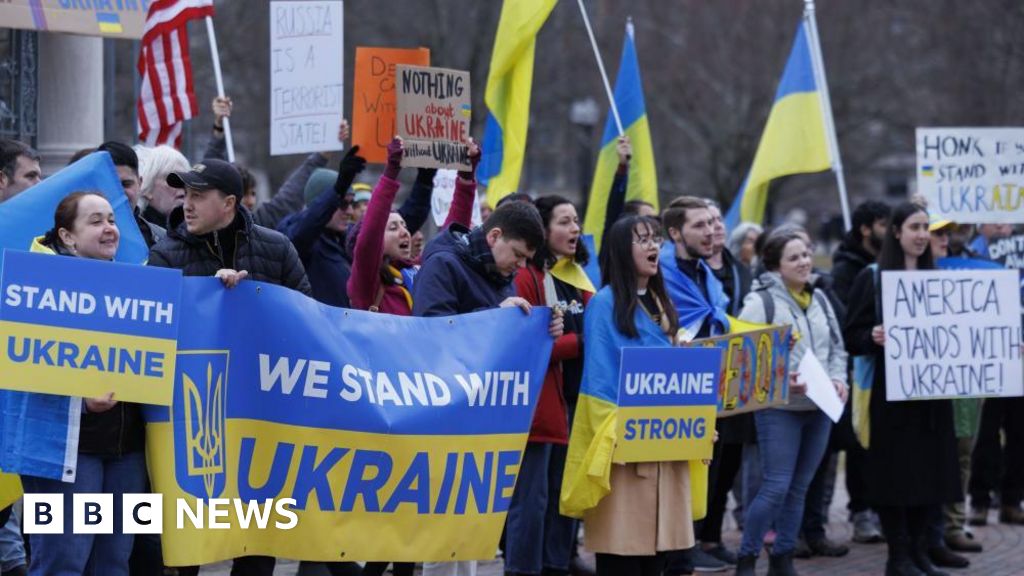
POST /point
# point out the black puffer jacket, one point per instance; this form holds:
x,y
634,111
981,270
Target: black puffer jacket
x,y
265,254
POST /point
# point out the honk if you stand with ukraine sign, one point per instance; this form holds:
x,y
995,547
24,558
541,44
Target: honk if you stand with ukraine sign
x,y
398,438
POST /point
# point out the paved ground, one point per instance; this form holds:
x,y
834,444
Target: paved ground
x,y
1003,555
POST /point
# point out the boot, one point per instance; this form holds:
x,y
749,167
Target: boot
x,y
745,565
781,565
919,554
946,558
899,562
1011,515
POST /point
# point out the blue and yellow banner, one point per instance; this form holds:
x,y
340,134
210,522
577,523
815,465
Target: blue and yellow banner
x,y
668,398
794,139
755,368
509,85
643,177
116,19
80,327
399,438
30,214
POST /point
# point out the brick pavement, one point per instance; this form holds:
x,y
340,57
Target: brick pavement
x,y
1003,555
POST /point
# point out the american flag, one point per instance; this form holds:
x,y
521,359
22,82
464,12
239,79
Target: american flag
x,y
166,97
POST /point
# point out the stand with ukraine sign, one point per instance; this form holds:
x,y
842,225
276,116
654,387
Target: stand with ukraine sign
x,y
668,399
398,438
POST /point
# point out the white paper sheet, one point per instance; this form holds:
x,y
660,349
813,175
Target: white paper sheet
x,y
820,389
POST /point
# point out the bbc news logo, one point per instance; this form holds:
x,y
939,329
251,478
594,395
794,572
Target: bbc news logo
x,y
144,514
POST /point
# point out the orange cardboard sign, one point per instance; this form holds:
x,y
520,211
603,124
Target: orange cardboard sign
x,y
373,98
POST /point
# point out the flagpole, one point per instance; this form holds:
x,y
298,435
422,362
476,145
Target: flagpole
x,y
600,66
215,53
818,63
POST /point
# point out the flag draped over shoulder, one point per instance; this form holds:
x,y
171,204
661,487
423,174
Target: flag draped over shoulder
x,y
643,178
30,214
509,83
794,140
166,95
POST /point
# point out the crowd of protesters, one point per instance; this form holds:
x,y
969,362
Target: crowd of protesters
x,y
665,278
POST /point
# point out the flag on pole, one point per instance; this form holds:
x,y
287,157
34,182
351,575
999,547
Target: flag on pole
x,y
507,96
643,178
166,97
794,139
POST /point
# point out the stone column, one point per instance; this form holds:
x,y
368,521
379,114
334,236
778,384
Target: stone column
x,y
70,101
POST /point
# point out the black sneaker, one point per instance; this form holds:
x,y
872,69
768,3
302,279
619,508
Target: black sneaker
x,y
828,548
704,562
722,553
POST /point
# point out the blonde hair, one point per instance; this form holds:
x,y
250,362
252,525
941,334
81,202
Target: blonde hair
x,y
155,164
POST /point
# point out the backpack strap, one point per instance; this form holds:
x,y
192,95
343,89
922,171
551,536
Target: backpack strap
x,y
769,305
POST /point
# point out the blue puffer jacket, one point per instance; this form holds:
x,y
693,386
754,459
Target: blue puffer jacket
x,y
458,275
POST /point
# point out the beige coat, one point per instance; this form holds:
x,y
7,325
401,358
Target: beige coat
x,y
647,511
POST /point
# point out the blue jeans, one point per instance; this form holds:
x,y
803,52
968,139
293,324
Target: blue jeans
x,y
791,444
536,535
12,549
77,554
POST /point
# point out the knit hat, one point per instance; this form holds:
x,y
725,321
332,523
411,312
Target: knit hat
x,y
319,180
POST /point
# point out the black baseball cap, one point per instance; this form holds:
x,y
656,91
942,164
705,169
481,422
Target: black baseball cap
x,y
207,175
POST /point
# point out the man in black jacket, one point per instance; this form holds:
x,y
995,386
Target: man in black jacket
x,y
860,246
212,234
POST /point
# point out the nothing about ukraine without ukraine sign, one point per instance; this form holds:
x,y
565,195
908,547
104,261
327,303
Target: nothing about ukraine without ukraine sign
x,y
399,438
668,398
79,327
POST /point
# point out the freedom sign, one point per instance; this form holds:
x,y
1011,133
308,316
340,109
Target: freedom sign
x,y
82,327
755,369
952,334
972,175
668,398
398,438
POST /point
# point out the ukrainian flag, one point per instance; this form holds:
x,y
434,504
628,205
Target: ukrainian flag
x,y
509,82
110,22
643,178
10,489
794,139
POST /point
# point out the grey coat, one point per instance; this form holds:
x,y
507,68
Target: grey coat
x,y
817,327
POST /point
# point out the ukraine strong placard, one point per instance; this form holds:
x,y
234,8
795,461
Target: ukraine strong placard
x,y
80,327
668,398
398,438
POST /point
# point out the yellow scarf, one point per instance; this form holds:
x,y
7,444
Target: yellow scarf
x,y
568,271
802,297
400,282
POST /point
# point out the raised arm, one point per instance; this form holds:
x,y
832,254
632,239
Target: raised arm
x,y
461,210
364,282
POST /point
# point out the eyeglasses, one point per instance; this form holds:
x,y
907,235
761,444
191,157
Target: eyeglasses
x,y
649,241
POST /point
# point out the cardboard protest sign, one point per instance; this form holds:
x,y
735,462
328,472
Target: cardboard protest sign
x,y
441,200
307,74
952,334
972,175
373,97
667,403
434,110
755,369
81,327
